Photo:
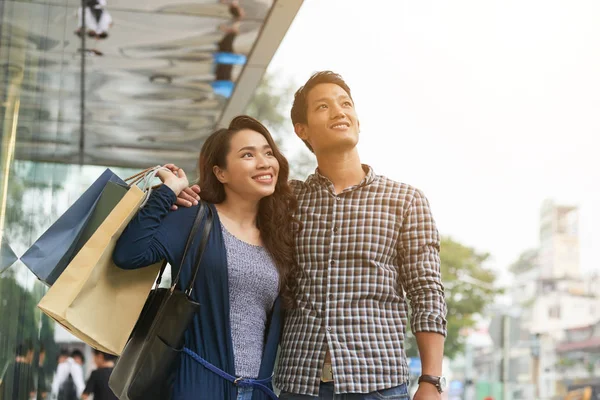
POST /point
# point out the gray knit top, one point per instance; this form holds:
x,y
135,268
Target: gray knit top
x,y
253,288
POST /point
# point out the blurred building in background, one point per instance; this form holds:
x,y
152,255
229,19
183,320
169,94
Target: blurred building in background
x,y
549,328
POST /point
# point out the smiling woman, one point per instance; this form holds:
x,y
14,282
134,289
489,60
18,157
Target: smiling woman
x,y
242,165
247,264
250,160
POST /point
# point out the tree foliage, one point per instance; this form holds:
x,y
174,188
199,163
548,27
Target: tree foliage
x,y
526,262
469,289
20,319
271,105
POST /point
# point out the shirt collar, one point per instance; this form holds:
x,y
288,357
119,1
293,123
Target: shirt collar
x,y
324,181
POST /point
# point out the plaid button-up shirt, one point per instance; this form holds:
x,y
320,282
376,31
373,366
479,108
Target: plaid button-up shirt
x,y
361,253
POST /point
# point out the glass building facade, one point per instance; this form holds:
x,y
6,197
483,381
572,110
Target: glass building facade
x,y
130,85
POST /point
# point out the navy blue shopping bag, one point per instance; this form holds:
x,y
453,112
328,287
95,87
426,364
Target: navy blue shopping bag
x,y
48,257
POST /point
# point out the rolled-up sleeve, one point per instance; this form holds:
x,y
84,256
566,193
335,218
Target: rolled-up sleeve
x,y
420,274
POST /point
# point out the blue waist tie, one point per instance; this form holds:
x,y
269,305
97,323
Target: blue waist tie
x,y
242,382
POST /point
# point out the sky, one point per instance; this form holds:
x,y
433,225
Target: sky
x,y
489,107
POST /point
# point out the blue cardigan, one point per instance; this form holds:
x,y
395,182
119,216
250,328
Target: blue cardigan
x,y
155,234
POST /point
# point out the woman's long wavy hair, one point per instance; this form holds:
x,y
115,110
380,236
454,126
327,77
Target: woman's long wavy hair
x,y
275,219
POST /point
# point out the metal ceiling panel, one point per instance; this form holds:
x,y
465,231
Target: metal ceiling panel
x,y
150,94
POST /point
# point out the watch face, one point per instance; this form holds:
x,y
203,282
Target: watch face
x,y
443,383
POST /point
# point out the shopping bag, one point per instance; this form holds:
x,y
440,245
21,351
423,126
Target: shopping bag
x,y
51,253
112,194
94,299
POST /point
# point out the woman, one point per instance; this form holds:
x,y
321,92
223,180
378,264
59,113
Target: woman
x,y
246,265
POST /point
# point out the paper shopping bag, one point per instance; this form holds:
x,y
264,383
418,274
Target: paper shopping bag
x,y
94,299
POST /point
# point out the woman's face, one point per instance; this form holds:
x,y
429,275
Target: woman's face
x,y
252,168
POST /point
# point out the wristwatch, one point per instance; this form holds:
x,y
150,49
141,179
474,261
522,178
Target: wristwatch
x,y
438,381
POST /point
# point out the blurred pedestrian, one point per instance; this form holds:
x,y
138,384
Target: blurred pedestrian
x,y
68,382
42,379
97,384
18,379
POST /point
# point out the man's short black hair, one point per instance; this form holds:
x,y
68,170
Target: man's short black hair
x,y
107,357
78,353
63,353
300,106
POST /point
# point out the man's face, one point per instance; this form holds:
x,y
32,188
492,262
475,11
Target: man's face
x,y
332,124
98,360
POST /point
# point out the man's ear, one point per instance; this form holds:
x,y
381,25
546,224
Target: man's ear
x,y
220,174
300,130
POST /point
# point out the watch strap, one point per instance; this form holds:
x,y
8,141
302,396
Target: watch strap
x,y
434,380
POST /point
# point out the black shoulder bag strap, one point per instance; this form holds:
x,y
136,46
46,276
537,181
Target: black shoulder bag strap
x,y
202,209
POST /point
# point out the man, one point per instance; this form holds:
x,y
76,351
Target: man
x,y
68,382
97,384
18,377
368,243
42,384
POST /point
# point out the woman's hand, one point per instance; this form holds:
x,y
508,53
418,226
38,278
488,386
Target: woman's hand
x,y
175,178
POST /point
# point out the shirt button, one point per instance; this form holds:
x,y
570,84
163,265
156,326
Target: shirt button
x,y
328,329
338,198
331,262
330,297
335,229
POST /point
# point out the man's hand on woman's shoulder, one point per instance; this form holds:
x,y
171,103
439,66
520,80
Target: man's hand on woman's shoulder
x,y
187,197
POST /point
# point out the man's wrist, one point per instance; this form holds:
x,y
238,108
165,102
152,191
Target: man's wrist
x,y
428,385
435,381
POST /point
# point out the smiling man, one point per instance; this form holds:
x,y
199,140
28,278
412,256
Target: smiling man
x,y
368,245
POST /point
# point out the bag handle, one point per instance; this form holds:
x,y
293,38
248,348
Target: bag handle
x,y
143,175
195,226
137,177
202,209
146,177
205,235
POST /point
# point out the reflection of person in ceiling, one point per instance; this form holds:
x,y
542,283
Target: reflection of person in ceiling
x,y
223,72
97,19
231,32
225,45
236,11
